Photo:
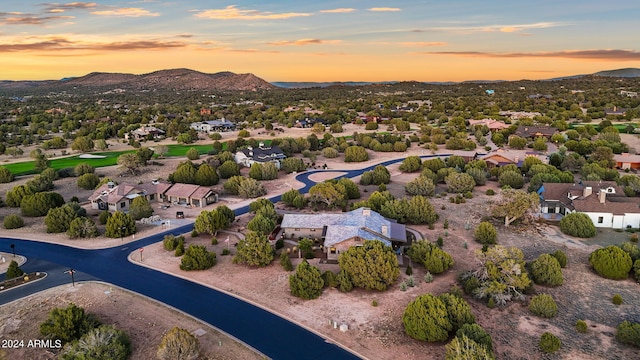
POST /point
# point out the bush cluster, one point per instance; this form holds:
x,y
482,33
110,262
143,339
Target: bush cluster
x,y
543,305
578,224
629,333
611,262
13,221
549,343
432,318
545,270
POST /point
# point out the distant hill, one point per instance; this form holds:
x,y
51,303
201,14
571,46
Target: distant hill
x,y
628,72
173,79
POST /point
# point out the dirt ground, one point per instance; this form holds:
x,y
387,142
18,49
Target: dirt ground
x,y
376,332
144,320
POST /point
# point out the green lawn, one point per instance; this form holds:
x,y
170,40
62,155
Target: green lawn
x,y
181,150
111,158
26,167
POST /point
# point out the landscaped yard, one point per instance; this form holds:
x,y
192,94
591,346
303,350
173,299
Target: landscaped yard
x,y
107,158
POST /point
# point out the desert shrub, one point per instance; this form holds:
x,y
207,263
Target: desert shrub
x,y
636,270
101,343
197,257
629,333
490,192
179,247
329,278
611,262
83,168
6,176
578,224
13,271
330,153
355,154
545,270
476,333
617,299
170,242
82,227
306,283
581,326
88,181
285,261
434,259
543,305
486,233
13,221
104,216
178,343
228,252
345,284
561,257
40,203
428,277
370,266
459,182
549,343
513,179
371,126
120,225
426,319
458,310
68,323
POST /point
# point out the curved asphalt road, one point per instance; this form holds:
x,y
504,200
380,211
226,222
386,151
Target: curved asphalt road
x,y
266,332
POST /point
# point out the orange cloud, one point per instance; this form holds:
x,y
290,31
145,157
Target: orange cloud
x,y
233,13
513,28
384,9
604,55
423,43
33,20
338,10
58,8
302,42
64,44
125,12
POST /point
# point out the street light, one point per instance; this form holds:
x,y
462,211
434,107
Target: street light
x,y
71,272
13,249
122,229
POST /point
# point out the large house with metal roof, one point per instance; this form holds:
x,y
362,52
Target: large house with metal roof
x,y
603,201
339,232
262,154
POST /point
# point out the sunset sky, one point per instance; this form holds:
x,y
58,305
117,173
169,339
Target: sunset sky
x,y
330,40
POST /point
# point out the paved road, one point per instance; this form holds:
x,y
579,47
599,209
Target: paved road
x,y
270,334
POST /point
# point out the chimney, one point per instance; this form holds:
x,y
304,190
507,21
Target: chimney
x,y
588,190
385,230
602,196
111,185
366,212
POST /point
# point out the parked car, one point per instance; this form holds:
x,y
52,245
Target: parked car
x,y
274,233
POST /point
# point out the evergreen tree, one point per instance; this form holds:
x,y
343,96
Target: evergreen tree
x,y
13,271
102,343
426,319
306,282
68,324
254,250
120,225
370,266
197,257
140,208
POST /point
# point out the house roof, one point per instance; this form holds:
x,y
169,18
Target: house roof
x,y
534,131
626,158
572,197
188,191
361,222
112,194
504,157
264,154
490,123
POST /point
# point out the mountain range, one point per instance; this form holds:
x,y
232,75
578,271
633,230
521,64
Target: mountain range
x,y
173,79
186,79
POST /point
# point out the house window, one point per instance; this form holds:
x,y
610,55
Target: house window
x,y
313,229
600,219
152,197
122,205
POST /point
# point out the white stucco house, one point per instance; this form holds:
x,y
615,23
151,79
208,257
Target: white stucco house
x,y
603,201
